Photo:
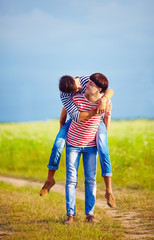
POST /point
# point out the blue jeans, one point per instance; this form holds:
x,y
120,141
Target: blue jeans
x,y
103,150
58,146
102,147
72,164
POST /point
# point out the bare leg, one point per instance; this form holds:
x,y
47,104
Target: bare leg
x,y
50,175
108,184
108,195
48,183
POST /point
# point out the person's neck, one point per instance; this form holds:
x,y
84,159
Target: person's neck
x,y
93,97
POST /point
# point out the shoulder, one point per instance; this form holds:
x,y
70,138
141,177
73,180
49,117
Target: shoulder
x,y
84,78
65,95
78,97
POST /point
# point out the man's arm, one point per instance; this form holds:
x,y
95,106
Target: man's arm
x,y
107,121
103,102
63,116
72,109
70,106
87,115
107,116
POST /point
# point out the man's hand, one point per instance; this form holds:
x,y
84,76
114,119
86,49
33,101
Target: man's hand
x,y
102,105
108,107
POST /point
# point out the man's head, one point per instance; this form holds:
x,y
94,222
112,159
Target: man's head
x,y
98,83
68,84
100,80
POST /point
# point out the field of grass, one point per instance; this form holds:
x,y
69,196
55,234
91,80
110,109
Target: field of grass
x,y
25,149
24,152
25,215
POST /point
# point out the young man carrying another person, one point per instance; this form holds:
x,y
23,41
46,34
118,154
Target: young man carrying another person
x,y
81,139
69,87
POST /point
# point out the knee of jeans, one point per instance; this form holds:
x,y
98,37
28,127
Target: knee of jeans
x,y
59,143
71,180
104,154
102,139
90,180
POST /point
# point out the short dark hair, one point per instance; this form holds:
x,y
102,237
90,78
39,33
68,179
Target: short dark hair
x,y
67,84
100,80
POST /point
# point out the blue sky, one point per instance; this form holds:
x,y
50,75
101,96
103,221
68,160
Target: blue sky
x,y
42,40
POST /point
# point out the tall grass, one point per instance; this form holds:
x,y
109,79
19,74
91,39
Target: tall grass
x,y
25,150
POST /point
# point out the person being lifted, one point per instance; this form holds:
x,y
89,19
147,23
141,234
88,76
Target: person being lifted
x,y
69,87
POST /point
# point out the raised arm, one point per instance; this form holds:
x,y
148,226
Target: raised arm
x,y
87,115
103,102
63,117
72,109
75,114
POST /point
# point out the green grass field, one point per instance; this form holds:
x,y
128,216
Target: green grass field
x,y
42,218
25,149
24,152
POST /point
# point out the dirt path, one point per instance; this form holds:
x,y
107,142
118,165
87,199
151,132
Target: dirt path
x,y
134,228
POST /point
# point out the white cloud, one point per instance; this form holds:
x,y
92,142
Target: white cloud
x,y
108,28
100,20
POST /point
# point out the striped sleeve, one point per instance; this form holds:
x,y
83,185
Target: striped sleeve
x,y
68,103
70,106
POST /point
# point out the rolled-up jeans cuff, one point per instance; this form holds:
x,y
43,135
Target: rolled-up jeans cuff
x,y
106,174
52,168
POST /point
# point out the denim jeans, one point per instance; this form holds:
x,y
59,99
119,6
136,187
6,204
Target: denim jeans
x,y
102,147
103,150
72,164
58,146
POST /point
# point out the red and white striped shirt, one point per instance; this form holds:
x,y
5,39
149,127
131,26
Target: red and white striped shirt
x,y
83,133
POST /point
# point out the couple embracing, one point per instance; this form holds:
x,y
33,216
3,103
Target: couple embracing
x,y
85,99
